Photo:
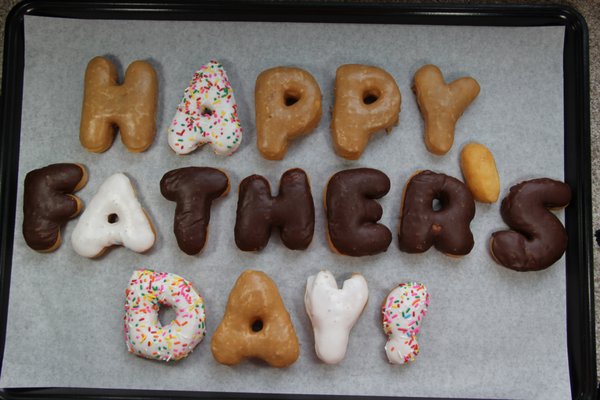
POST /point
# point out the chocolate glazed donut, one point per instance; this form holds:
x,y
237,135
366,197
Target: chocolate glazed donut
x,y
422,226
352,212
193,189
538,238
48,203
293,211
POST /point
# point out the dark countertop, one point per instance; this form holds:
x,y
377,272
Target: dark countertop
x,y
590,10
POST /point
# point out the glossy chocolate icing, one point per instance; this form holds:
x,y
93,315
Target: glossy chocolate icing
x,y
48,203
352,212
193,189
448,229
292,211
538,238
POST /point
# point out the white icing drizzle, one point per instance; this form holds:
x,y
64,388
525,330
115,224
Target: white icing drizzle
x,y
333,312
114,216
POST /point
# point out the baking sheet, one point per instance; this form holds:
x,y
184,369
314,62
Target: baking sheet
x,y
490,332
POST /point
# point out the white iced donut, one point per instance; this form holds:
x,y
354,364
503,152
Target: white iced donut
x,y
207,113
333,312
402,312
114,216
144,334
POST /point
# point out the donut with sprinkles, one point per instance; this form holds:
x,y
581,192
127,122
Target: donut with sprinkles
x,y
207,114
144,334
402,311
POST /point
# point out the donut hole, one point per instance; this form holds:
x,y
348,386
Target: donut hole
x,y
290,98
112,218
257,325
166,315
206,111
371,96
440,201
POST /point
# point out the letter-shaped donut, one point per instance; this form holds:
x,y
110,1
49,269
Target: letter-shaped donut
x,y
207,113
538,238
447,228
293,211
114,216
441,105
256,324
402,311
48,203
367,100
333,312
353,212
131,106
288,105
144,334
193,189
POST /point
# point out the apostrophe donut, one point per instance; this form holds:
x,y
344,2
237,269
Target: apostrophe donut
x,y
144,334
441,105
402,311
352,212
131,106
446,228
333,312
256,324
367,100
479,169
207,113
114,216
48,203
288,105
193,189
292,210
537,239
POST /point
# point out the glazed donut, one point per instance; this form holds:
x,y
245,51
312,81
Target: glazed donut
x,y
48,203
207,113
352,212
538,239
441,105
481,175
114,216
402,311
144,334
193,189
288,105
367,100
256,324
333,312
447,229
131,106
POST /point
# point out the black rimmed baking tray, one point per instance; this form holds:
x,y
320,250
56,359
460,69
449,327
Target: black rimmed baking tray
x,y
580,315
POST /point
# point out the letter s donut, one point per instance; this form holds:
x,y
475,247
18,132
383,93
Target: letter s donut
x,y
144,334
537,239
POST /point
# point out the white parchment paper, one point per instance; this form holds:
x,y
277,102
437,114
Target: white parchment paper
x,y
490,332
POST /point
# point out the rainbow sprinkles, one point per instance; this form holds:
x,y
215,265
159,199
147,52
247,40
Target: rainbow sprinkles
x,y
207,113
144,334
402,312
